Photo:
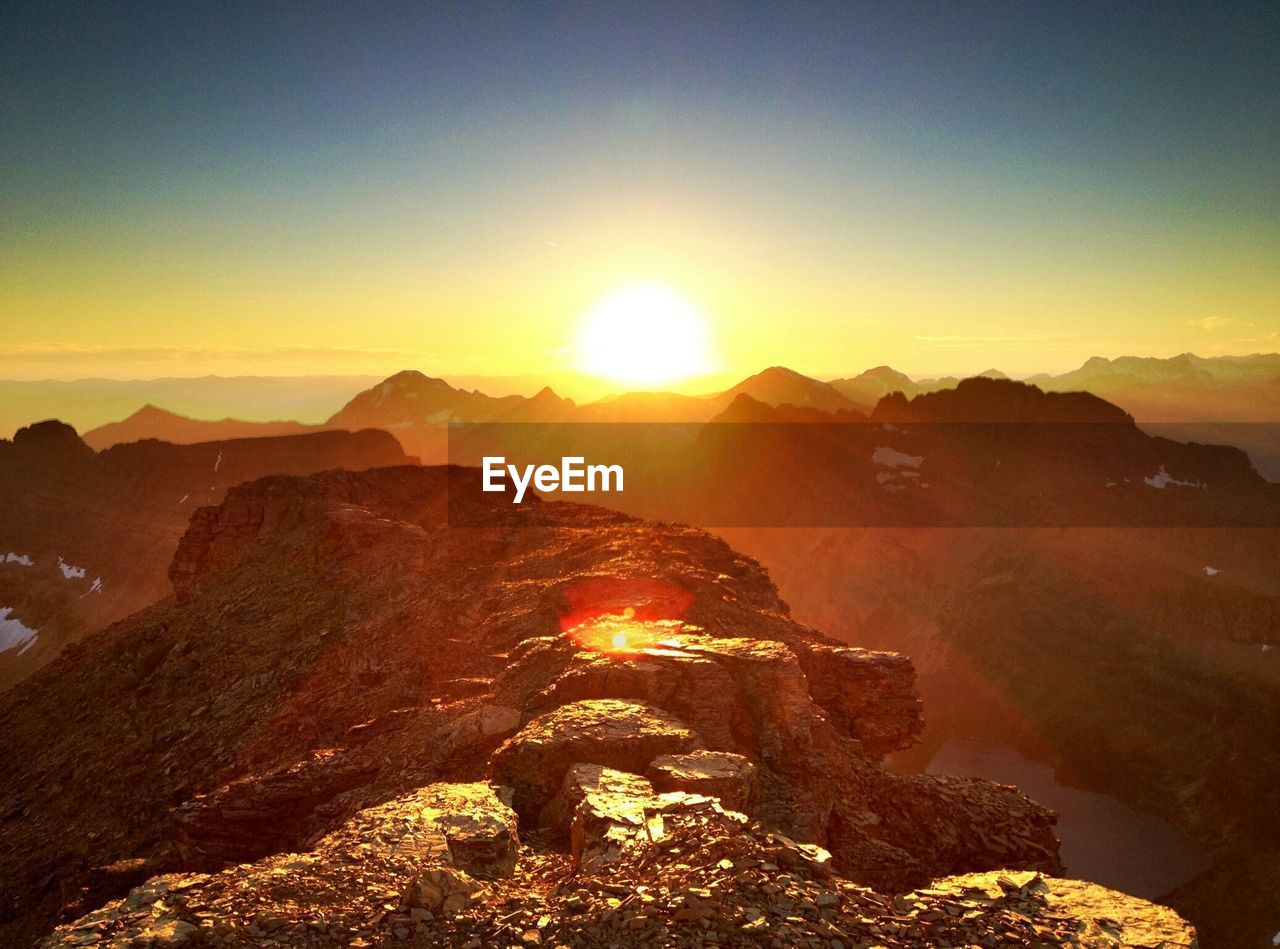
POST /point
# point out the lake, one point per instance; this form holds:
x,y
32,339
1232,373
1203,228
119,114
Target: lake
x,y
1103,840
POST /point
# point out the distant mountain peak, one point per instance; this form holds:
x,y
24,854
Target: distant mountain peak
x,y
52,437
412,378
883,372
151,411
779,385
780,371
983,399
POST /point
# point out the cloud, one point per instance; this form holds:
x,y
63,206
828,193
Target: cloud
x,y
18,354
1210,323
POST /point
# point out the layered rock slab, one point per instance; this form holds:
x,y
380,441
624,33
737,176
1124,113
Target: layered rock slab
x,y
606,789
624,736
607,813
869,695
719,774
733,690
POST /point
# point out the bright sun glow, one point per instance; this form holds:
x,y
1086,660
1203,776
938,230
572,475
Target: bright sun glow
x,y
644,334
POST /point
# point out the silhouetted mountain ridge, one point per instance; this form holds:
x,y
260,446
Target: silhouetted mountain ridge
x,y
987,399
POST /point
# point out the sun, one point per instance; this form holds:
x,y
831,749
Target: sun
x,y
643,334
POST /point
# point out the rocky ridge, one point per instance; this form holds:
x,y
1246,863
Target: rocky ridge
x,y
353,725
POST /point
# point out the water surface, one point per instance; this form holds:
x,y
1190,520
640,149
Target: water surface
x,y
1103,840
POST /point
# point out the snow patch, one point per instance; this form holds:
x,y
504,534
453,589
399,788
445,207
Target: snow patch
x,y
1266,647
217,462
184,499
892,458
1162,479
70,572
14,633
95,587
22,560
1211,571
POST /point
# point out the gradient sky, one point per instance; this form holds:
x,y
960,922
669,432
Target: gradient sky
x,y
362,187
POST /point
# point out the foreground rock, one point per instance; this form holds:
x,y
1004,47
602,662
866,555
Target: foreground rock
x,y
711,879
479,829
869,695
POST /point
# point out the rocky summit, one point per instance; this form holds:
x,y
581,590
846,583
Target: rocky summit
x,y
353,725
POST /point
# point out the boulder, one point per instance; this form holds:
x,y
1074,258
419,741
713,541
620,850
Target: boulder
x,y
625,736
607,786
446,890
867,695
770,684
696,688
479,728
719,774
608,823
738,694
607,826
479,829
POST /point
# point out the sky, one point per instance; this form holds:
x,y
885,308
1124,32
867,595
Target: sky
x,y
358,188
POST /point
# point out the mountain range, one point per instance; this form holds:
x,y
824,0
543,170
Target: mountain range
x,y
1227,400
